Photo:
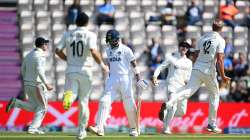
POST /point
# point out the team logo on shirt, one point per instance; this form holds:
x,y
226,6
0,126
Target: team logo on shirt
x,y
115,58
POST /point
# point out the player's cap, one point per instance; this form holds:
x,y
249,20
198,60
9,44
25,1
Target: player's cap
x,y
185,44
41,41
112,35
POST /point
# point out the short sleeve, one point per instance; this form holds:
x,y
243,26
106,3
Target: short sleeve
x,y
198,44
221,46
92,41
130,54
62,43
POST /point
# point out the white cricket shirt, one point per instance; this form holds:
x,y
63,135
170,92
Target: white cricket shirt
x,y
119,59
209,45
78,43
179,71
33,67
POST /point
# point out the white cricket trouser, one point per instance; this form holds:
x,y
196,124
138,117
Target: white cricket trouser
x,y
197,78
117,85
178,109
80,84
37,102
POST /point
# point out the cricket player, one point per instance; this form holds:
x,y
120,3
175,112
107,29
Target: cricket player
x,y
33,72
120,59
179,72
81,46
209,51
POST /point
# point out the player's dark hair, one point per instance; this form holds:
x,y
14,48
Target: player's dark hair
x,y
217,25
82,19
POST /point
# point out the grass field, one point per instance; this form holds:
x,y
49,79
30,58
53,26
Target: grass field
x,y
69,136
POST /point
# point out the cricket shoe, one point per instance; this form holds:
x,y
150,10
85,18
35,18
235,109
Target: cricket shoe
x,y
35,131
167,131
133,132
162,112
81,135
213,129
67,99
96,131
10,105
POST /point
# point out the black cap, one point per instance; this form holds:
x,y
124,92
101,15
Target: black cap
x,y
40,41
82,19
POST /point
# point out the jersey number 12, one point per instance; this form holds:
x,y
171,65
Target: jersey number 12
x,y
77,48
206,46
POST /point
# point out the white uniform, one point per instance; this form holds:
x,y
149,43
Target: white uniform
x,y
118,83
204,71
33,72
179,71
78,72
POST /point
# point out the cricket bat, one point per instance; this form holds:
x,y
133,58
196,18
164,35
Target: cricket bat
x,y
138,113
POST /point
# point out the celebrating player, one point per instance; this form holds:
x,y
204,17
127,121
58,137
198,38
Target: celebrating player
x,y
120,59
33,72
178,74
209,52
80,44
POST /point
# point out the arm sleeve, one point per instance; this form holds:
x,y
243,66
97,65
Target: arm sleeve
x,y
130,55
92,41
41,70
61,45
160,68
197,45
189,71
221,46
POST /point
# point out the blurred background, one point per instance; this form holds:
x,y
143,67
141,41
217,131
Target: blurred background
x,y
143,24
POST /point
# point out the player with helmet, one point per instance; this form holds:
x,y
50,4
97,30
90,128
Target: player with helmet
x,y
209,53
121,59
81,46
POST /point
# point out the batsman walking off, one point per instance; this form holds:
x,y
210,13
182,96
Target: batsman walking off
x,y
120,59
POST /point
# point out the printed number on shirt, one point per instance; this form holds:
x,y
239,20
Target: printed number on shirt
x,y
206,46
77,47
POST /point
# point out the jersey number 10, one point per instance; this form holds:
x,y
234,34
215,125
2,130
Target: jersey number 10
x,y
77,48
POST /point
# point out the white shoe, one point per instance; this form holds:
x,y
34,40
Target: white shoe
x,y
133,132
35,131
81,135
167,131
213,129
96,131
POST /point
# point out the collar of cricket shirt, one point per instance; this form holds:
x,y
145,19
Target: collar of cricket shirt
x,y
83,27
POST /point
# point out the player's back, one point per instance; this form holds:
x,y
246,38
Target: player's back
x,y
208,45
78,43
29,67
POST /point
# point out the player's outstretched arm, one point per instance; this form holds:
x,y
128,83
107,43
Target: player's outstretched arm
x,y
61,54
96,55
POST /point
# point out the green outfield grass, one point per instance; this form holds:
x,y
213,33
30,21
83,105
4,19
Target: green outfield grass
x,y
70,136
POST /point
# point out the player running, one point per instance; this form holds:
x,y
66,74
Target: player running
x,y
120,59
209,52
34,79
179,71
80,44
